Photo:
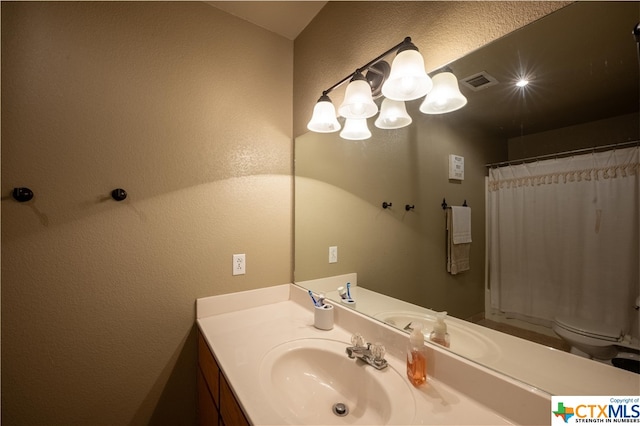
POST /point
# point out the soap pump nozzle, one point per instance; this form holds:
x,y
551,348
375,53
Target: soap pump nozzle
x,y
416,337
439,333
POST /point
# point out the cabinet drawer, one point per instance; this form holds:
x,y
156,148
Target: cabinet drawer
x,y
207,411
229,408
209,368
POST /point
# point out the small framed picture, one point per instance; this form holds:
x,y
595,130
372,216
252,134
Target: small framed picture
x,y
456,167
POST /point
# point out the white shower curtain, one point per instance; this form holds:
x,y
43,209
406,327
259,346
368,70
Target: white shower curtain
x,y
564,237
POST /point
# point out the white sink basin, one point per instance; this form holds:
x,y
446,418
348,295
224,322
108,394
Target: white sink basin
x,y
464,340
303,380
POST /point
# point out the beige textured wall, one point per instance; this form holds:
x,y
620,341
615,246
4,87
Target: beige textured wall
x,y
608,131
343,183
188,109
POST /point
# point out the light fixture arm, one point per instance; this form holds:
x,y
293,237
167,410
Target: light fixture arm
x,y
406,44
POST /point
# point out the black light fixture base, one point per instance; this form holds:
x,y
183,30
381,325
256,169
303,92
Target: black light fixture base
x,y
376,76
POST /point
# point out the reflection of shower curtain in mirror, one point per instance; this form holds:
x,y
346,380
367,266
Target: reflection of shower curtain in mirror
x,y
564,237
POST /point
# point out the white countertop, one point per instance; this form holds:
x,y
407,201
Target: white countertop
x,y
240,332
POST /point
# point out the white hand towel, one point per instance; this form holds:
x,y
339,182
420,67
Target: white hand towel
x,y
461,224
457,254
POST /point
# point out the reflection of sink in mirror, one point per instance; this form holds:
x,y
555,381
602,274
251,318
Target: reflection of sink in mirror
x,y
465,341
303,380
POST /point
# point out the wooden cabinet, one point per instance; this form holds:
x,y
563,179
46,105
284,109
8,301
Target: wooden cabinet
x,y
217,405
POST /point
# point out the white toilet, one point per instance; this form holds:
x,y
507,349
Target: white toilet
x,y
588,338
599,341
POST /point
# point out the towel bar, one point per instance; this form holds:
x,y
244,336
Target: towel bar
x,y
445,205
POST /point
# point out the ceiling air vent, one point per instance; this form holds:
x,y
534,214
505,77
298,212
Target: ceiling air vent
x,y
479,81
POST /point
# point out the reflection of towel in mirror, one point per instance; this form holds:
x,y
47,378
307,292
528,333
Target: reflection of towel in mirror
x,y
458,239
461,224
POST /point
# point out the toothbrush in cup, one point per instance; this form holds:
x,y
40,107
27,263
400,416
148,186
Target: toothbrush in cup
x,y
313,299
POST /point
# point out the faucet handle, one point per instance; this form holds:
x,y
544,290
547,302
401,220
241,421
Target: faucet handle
x,y
378,351
357,340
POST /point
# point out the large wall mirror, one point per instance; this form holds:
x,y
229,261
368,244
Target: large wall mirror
x,y
583,66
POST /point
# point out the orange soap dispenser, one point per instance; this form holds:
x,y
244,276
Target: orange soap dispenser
x,y
417,356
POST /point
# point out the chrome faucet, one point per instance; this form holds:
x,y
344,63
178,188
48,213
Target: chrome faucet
x,y
371,354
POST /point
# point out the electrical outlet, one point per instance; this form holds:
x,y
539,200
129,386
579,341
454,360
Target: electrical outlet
x,y
333,254
239,264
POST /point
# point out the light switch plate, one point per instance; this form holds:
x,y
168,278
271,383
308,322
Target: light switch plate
x,y
333,254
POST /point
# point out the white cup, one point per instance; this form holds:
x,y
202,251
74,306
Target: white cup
x,y
349,302
323,317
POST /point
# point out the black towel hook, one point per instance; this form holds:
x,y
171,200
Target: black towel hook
x,y
119,194
22,194
408,207
386,205
445,205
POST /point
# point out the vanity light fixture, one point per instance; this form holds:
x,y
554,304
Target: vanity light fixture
x,y
445,96
355,129
324,118
358,101
393,115
405,80
408,80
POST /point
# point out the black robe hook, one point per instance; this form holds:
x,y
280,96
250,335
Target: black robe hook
x,y
119,194
22,194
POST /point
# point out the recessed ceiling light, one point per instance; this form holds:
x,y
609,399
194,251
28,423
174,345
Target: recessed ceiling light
x,y
522,82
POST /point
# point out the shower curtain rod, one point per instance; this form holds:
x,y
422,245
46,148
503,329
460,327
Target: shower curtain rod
x,y
563,154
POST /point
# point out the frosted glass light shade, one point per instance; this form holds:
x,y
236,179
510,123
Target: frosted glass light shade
x,y
324,118
445,96
355,129
407,80
358,102
393,115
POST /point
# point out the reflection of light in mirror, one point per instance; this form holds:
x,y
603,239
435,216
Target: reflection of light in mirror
x,y
525,94
445,96
355,129
393,115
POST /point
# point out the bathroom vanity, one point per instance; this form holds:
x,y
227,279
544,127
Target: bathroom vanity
x,y
216,402
261,360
